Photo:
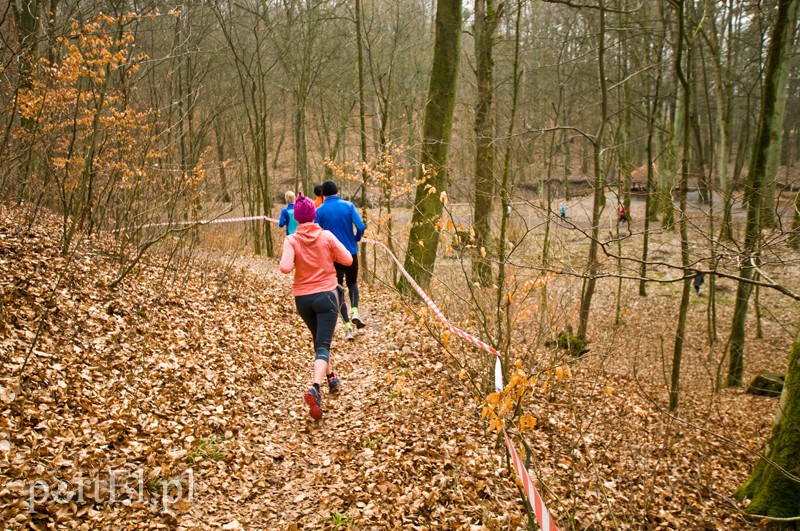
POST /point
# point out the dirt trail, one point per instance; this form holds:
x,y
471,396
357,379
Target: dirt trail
x,y
398,447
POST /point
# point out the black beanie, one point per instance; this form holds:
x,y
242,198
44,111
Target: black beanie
x,y
329,188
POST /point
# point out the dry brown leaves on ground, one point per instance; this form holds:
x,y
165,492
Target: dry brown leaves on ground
x,y
175,401
179,405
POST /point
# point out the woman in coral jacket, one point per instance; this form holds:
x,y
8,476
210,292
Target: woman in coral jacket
x,y
311,252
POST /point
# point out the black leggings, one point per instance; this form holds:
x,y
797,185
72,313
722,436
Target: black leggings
x,y
319,311
349,273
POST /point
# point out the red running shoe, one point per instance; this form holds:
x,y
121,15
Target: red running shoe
x,y
313,399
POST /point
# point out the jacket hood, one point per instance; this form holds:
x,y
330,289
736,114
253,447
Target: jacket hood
x,y
307,233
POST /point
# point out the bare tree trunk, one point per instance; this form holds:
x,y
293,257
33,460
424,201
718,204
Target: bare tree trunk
x,y
546,205
669,171
566,157
486,18
704,189
626,165
266,188
711,307
677,353
26,22
224,195
727,229
649,200
770,115
769,212
423,238
505,184
302,175
722,98
178,49
383,87
598,200
363,137
759,327
618,302
794,237
624,160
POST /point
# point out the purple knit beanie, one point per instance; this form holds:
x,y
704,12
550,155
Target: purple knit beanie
x,y
304,209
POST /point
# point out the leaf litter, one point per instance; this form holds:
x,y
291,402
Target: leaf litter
x,y
178,405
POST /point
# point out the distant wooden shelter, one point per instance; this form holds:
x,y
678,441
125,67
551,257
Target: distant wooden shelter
x,y
639,179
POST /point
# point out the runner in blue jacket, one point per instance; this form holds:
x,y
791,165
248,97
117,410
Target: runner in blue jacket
x,y
340,217
287,215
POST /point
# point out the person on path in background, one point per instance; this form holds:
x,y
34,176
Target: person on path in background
x,y
312,252
698,281
563,212
624,217
318,193
340,217
287,214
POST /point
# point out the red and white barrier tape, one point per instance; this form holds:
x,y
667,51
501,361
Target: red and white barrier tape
x,y
542,515
537,504
435,309
198,222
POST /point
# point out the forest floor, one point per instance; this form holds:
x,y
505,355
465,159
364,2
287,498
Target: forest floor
x,y
175,401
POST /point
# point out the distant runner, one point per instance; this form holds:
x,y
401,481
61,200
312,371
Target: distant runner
x,y
623,216
698,281
318,193
287,214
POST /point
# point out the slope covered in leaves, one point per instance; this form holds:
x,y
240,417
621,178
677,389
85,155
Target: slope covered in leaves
x,y
194,386
175,401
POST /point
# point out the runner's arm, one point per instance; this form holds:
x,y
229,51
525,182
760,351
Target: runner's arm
x,y
340,252
287,258
360,227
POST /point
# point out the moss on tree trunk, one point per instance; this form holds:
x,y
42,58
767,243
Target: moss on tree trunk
x,y
774,484
754,189
423,239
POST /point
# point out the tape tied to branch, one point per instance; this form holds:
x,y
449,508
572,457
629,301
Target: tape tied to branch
x,y
535,500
